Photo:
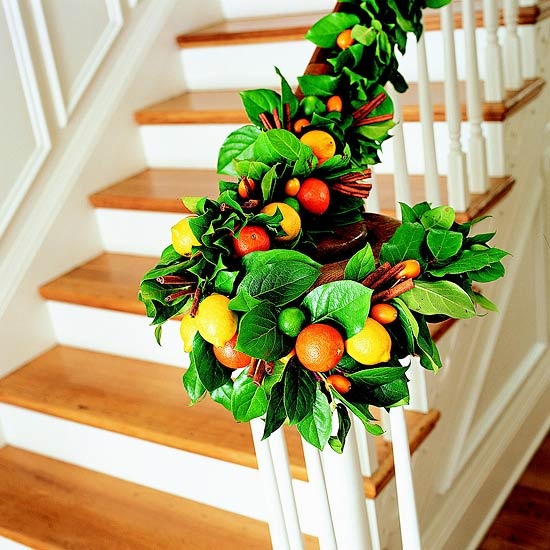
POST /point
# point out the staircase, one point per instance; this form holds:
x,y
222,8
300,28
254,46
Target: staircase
x,y
99,441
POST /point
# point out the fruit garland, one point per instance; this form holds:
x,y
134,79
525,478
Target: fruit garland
x,y
272,332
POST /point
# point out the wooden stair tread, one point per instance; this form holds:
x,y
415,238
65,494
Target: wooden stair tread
x,y
147,401
45,503
293,27
161,189
225,107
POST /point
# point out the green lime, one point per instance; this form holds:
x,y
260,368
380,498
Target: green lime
x,y
291,320
293,203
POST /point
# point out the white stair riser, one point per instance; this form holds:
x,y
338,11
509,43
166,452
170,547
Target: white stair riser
x,y
249,66
8,544
197,146
245,8
135,231
115,332
146,463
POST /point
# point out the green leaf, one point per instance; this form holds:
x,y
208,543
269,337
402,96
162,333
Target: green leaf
x,y
259,335
393,394
316,427
192,384
441,217
345,302
363,35
243,301
407,213
255,260
210,372
299,392
191,203
259,101
443,243
319,85
280,146
248,400
484,302
435,4
338,441
360,264
377,376
361,411
326,30
223,395
405,244
280,283
158,334
250,168
439,298
471,260
225,281
268,185
426,348
487,274
287,95
238,144
276,414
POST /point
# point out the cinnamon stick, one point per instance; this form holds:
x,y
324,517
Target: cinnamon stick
x,y
373,119
371,278
260,373
173,280
286,117
393,292
276,118
265,121
252,367
387,275
178,294
367,108
195,304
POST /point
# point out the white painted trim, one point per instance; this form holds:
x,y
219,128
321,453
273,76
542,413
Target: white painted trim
x,y
64,176
455,462
96,56
8,544
19,188
48,59
450,512
132,3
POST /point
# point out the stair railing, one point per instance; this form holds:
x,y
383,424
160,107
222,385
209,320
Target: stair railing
x,y
513,78
494,80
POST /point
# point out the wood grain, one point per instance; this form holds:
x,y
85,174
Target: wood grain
x,y
225,107
159,190
524,521
47,504
146,400
254,30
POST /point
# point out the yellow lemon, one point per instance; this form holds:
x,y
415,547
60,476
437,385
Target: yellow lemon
x,y
322,144
183,238
371,345
291,223
188,329
215,322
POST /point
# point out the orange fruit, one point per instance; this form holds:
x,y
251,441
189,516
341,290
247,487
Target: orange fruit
x,y
410,270
383,313
291,223
229,357
246,188
314,196
322,144
292,187
334,104
319,347
340,383
344,40
251,239
300,124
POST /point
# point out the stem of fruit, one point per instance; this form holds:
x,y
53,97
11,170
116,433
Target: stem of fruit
x,y
195,304
393,292
276,118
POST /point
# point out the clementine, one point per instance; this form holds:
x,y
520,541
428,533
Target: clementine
x,y
319,347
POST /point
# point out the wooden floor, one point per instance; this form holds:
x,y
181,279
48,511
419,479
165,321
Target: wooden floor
x,y
524,521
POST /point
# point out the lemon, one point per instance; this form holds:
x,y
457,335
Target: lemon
x,y
291,223
322,144
371,345
183,238
188,329
215,322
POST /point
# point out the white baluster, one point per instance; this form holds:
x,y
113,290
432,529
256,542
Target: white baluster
x,y
275,518
368,460
418,393
347,497
457,183
408,519
494,81
318,488
477,157
373,202
431,174
512,50
279,455
401,181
